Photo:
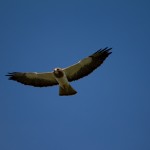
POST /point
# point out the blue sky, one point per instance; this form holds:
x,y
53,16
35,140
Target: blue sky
x,y
111,110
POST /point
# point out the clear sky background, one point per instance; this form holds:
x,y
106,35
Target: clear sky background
x,y
112,108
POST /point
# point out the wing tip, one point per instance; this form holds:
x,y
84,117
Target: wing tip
x,y
11,75
103,51
106,49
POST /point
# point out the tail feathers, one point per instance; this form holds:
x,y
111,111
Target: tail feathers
x,y
67,91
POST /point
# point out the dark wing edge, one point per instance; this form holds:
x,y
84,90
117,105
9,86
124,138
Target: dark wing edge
x,y
33,79
79,70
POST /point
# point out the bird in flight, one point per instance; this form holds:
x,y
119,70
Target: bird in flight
x,y
63,76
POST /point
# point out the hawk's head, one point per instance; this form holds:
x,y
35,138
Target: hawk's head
x,y
58,72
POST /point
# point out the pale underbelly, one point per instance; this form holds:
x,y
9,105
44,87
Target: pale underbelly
x,y
63,82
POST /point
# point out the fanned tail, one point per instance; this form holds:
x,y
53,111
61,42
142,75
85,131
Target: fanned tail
x,y
67,91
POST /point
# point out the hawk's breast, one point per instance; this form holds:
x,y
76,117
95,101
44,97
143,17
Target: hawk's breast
x,y
61,78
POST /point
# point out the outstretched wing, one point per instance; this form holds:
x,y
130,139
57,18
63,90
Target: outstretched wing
x,y
87,65
33,78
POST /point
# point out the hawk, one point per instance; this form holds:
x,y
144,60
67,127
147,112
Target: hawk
x,y
63,76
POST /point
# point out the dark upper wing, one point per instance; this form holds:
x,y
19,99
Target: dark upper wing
x,y
87,65
34,79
